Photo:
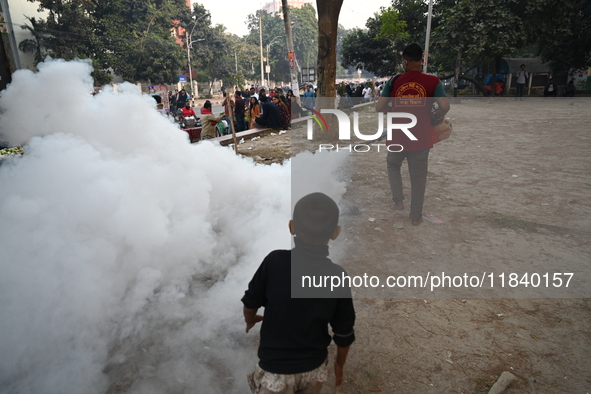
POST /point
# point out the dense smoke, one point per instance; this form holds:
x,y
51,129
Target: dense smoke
x,y
125,250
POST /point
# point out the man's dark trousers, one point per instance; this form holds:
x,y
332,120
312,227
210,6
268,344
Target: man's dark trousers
x,y
417,169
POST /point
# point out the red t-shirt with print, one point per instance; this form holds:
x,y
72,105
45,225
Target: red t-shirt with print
x,y
409,94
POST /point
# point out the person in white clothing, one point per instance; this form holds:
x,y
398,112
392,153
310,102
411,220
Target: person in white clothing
x,y
367,93
522,77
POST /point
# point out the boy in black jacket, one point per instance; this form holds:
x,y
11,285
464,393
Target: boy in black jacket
x,y
294,334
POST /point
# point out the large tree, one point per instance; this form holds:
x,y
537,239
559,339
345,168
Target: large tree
x,y
304,32
375,49
561,30
125,37
480,30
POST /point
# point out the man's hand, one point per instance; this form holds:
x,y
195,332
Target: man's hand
x,y
249,325
251,318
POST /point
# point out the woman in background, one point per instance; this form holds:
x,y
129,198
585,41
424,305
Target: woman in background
x,y
254,110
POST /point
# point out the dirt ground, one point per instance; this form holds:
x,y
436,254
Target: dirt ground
x,y
511,187
270,147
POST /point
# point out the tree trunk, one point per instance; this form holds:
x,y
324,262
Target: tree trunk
x,y
328,20
493,83
496,65
458,71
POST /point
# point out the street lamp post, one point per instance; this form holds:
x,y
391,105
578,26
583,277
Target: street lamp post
x,y
426,53
190,42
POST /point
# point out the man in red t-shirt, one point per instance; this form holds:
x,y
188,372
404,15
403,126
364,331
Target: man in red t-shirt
x,y
187,110
408,93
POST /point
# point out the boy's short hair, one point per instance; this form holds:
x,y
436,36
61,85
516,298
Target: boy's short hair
x,y
315,217
413,53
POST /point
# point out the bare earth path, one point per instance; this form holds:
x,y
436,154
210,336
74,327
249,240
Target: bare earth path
x,y
536,221
512,187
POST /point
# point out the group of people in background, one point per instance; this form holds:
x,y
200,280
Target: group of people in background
x,y
551,89
355,94
260,109
251,108
177,100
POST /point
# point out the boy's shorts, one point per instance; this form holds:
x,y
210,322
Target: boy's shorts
x,y
263,382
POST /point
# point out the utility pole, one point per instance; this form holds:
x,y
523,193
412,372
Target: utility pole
x,y
261,45
189,61
9,57
268,67
458,69
426,54
290,54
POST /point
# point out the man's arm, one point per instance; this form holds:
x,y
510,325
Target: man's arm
x,y
339,363
383,104
265,112
443,104
251,318
255,297
343,333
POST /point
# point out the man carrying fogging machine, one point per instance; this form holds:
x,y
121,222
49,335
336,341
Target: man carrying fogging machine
x,y
409,92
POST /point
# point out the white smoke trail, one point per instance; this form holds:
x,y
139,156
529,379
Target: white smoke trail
x,y
125,250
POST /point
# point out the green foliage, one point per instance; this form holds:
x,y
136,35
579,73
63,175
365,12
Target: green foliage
x,y
125,37
562,30
414,14
304,34
486,29
341,34
392,27
34,45
370,49
483,29
215,55
237,80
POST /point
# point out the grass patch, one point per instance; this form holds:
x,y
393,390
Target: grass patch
x,y
511,222
484,384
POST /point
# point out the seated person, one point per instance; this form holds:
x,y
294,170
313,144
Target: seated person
x,y
284,112
188,111
498,90
271,118
550,89
569,90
